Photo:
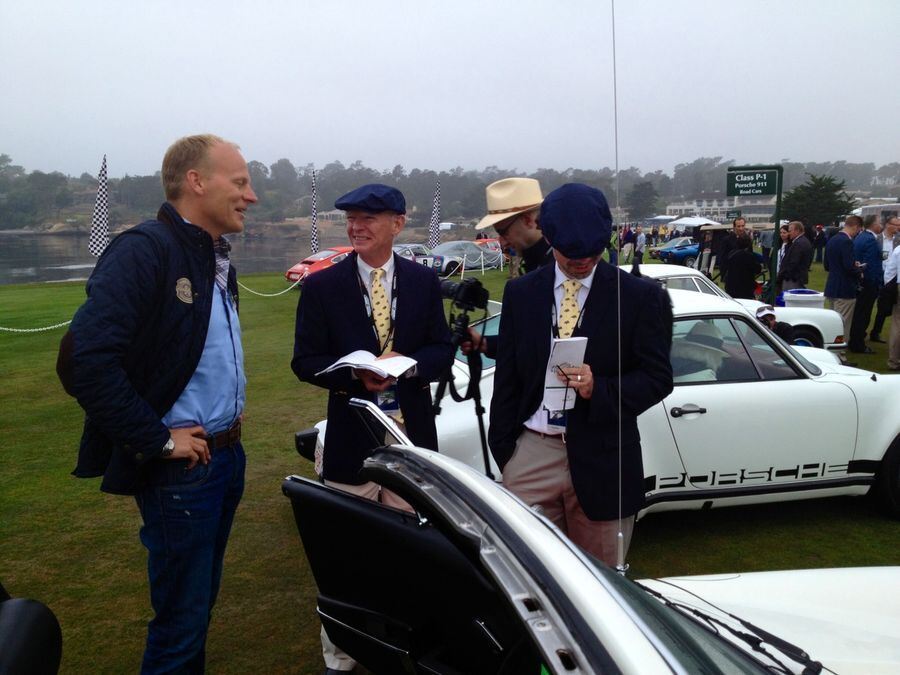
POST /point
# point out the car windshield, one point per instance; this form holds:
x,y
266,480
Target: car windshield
x,y
692,643
321,255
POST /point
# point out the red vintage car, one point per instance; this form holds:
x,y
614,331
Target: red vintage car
x,y
317,262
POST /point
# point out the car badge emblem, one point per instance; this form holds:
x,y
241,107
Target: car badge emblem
x,y
183,290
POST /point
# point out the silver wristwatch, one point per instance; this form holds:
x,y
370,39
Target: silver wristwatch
x,y
168,448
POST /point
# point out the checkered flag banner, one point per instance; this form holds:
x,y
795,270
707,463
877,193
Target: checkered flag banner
x,y
434,233
314,232
99,238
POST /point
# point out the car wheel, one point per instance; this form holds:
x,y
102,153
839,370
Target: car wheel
x,y
887,484
451,269
689,261
804,336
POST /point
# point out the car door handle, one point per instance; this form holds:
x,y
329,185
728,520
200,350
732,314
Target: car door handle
x,y
688,409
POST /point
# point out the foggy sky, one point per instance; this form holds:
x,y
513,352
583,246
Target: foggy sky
x,y
520,84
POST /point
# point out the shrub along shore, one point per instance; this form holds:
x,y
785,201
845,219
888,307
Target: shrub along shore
x,y
76,549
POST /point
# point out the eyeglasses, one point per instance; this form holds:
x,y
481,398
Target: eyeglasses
x,y
502,230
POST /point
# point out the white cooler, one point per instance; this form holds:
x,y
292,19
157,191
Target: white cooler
x,y
804,297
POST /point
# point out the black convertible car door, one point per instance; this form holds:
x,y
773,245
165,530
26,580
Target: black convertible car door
x,y
399,593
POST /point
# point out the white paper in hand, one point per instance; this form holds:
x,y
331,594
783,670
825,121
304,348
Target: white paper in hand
x,y
564,353
395,366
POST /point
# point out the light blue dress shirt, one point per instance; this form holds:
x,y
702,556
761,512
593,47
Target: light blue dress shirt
x,y
215,395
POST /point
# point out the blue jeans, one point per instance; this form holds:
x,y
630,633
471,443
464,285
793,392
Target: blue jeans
x,y
187,518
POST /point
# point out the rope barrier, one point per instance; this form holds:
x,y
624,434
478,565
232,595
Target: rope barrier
x,y
43,329
35,330
270,295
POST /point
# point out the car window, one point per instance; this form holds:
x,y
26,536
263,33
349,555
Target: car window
x,y
681,284
708,351
772,365
338,258
707,286
321,255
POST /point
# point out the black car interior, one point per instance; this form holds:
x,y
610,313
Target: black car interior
x,y
403,592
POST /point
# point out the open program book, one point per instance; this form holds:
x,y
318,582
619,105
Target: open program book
x,y
395,366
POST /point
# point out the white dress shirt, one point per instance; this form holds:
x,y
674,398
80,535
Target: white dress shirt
x,y
365,273
538,421
892,264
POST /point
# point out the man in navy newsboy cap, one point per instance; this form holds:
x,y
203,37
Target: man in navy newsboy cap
x,y
567,461
379,302
373,198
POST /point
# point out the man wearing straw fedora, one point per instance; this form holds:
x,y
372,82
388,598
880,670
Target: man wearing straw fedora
x,y
513,205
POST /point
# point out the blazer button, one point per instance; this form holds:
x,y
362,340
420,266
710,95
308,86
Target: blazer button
x,y
139,456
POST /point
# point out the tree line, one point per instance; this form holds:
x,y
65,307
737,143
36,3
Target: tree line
x,y
34,198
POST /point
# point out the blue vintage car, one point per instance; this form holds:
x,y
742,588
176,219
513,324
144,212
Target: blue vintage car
x,y
684,252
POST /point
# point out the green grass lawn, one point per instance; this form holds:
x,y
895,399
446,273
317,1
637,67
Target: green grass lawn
x,y
76,549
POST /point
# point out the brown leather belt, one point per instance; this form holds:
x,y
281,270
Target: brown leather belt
x,y
225,438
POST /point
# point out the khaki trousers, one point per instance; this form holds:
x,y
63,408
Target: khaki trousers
x,y
844,307
538,474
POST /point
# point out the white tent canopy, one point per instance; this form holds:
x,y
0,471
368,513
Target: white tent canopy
x,y
687,221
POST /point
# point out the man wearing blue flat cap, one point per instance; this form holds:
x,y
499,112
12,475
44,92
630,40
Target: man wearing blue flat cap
x,y
569,463
376,301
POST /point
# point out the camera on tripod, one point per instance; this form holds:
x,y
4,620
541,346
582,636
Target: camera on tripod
x,y
466,295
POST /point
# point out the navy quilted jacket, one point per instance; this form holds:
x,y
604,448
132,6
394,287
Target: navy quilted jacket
x,y
135,343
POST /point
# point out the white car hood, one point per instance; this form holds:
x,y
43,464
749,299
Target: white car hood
x,y
847,619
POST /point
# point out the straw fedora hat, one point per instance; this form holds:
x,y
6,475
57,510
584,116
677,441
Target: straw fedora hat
x,y
509,197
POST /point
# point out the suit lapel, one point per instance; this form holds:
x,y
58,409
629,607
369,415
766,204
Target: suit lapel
x,y
406,296
600,315
542,301
601,300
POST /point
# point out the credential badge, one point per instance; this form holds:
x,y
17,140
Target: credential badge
x,y
183,290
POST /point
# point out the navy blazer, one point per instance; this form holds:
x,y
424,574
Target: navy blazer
x,y
592,440
332,322
797,259
867,249
839,261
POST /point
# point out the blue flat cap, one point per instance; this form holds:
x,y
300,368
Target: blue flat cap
x,y
373,198
575,219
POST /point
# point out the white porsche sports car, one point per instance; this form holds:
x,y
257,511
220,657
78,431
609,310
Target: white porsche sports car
x,y
813,327
751,420
474,581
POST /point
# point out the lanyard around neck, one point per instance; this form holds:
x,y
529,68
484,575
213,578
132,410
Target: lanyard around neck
x,y
368,302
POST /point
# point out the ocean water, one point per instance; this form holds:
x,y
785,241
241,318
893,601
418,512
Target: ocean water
x,y
31,258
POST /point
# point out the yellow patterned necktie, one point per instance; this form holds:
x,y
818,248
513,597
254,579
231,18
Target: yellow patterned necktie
x,y
381,312
568,313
